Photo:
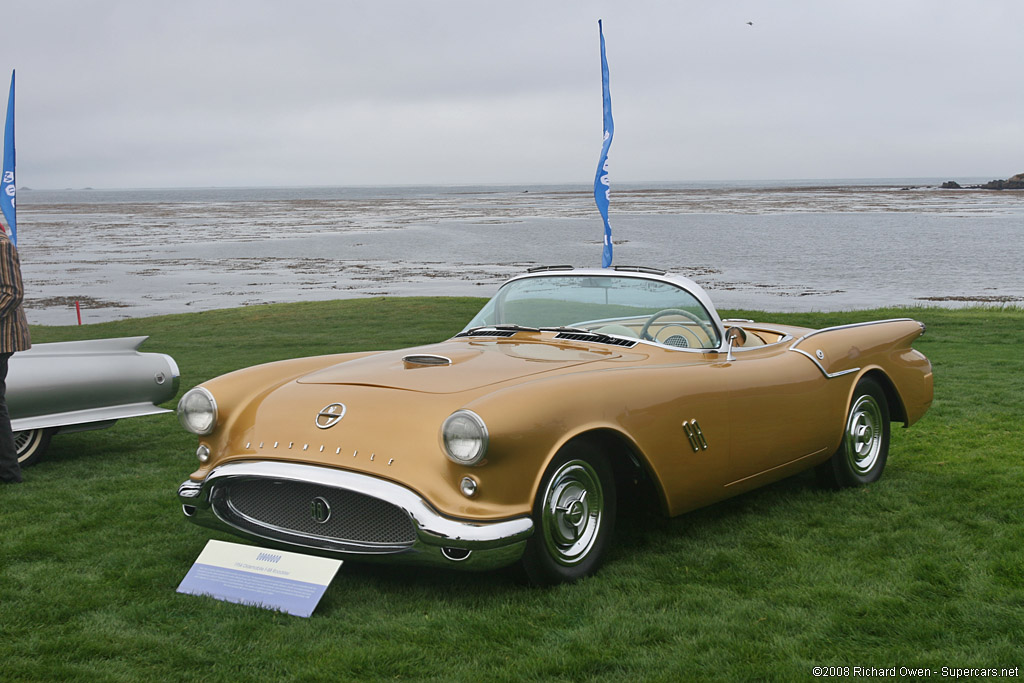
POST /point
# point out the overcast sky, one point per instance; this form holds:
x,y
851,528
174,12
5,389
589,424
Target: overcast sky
x,y
235,93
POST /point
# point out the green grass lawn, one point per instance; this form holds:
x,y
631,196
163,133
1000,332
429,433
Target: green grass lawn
x,y
923,569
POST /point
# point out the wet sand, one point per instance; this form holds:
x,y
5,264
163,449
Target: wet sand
x,y
795,248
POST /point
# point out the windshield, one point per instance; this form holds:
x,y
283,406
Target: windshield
x,y
630,307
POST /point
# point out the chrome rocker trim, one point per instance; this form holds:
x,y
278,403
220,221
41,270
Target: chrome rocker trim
x,y
440,541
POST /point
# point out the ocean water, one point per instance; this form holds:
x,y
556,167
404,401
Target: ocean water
x,y
785,246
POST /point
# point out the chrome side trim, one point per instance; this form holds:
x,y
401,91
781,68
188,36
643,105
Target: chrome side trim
x,y
829,375
777,467
74,420
851,326
832,375
493,544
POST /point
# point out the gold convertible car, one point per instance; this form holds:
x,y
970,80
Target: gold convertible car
x,y
508,443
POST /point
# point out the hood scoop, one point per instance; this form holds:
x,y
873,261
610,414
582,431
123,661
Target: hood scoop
x,y
425,360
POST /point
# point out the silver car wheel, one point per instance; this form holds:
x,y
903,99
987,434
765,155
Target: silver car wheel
x,y
864,444
31,444
573,510
863,436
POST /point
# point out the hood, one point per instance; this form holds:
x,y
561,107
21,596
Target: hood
x,y
474,364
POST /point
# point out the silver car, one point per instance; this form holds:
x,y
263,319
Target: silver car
x,y
81,385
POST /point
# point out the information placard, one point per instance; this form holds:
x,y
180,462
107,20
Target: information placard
x,y
250,575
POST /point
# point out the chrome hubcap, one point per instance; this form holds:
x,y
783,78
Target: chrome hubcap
x,y
573,508
863,438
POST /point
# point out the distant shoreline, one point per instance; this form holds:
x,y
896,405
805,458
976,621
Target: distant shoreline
x,y
40,195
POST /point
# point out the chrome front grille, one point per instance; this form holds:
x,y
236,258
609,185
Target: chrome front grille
x,y
288,510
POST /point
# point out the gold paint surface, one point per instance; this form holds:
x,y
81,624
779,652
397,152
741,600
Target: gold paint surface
x,y
768,413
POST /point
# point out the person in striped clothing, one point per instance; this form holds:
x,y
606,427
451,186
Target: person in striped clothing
x,y
14,336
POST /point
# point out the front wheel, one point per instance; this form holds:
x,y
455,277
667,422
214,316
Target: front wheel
x,y
31,445
573,516
865,447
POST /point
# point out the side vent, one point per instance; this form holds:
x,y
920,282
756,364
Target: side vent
x,y
541,269
640,269
425,360
695,435
487,333
599,338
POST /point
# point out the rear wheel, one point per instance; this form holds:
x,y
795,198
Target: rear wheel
x,y
31,445
864,450
573,517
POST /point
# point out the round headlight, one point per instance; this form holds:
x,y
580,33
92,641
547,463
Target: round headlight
x,y
198,411
464,436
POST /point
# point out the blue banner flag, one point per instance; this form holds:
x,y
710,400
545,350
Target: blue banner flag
x,y
9,220
601,184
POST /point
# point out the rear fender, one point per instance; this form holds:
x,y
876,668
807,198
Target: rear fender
x,y
881,349
848,349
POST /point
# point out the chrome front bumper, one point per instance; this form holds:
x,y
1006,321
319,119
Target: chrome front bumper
x,y
438,540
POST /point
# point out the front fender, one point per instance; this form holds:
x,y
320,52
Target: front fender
x,y
530,423
238,395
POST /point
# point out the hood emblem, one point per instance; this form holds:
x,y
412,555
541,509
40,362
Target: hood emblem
x,y
330,415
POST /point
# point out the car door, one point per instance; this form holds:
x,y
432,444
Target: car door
x,y
781,407
678,415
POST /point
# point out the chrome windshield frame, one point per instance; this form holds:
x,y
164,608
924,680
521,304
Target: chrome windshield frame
x,y
683,283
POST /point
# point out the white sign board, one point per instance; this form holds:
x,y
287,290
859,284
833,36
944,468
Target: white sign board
x,y
249,575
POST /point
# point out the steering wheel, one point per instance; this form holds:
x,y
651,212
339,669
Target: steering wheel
x,y
708,330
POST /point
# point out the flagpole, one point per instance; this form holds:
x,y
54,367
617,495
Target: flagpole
x,y
8,187
601,184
